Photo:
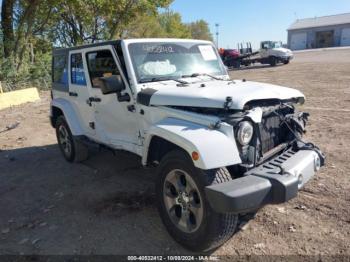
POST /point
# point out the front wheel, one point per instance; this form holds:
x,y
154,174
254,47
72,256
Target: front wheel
x,y
183,206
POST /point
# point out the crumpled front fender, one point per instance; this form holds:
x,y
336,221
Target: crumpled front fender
x,y
214,147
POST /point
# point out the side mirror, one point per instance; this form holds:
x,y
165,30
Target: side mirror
x,y
112,84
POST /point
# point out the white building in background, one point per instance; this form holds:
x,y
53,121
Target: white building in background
x,y
320,32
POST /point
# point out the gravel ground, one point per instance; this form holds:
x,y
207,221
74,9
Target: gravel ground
x,y
106,204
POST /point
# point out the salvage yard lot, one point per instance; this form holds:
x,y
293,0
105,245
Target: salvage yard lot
x,y
106,204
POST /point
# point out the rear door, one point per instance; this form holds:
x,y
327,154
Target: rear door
x,y
78,91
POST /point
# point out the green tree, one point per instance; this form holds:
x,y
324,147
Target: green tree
x,y
173,26
86,21
166,24
7,9
144,26
30,28
200,30
127,12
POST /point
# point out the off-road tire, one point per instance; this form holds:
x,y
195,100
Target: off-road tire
x,y
79,151
215,228
286,62
273,61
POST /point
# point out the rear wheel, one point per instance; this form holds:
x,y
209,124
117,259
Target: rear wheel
x,y
183,206
72,149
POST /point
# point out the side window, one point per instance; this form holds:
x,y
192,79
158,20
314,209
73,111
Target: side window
x,y
101,64
266,45
77,70
60,74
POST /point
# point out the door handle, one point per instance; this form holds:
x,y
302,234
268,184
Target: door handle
x,y
73,94
95,99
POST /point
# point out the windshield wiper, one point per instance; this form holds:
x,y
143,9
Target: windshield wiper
x,y
158,79
202,74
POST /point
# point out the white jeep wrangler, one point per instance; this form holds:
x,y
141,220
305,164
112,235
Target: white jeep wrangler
x,y
222,147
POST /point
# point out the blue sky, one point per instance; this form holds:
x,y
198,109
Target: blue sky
x,y
255,20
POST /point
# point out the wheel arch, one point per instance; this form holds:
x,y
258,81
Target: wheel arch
x,y
158,148
55,113
63,107
272,57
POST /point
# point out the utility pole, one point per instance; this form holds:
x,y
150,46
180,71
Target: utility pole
x,y
217,34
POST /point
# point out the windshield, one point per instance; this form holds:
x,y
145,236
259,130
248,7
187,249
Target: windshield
x,y
163,61
276,45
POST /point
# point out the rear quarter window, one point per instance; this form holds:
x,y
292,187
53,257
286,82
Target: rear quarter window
x,y
60,73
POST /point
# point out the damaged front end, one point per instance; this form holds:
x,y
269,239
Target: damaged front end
x,y
276,162
277,127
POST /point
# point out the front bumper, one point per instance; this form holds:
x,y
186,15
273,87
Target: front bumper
x,y
273,182
287,57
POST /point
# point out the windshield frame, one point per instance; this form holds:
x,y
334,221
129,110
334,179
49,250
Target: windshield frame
x,y
138,80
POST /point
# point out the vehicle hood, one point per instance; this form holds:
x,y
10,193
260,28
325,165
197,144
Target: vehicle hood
x,y
213,94
282,50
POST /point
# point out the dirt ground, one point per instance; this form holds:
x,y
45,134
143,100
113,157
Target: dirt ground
x,y
106,204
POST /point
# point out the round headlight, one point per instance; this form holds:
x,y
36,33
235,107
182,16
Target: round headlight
x,y
245,133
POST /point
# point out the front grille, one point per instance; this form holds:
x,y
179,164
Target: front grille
x,y
272,132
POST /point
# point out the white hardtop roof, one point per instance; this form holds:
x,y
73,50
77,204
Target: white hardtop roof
x,y
167,40
321,21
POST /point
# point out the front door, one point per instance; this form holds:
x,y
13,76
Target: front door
x,y
78,91
115,123
264,49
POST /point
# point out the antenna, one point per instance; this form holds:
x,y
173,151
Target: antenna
x,y
296,16
217,34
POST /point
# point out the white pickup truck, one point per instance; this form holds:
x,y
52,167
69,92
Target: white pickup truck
x,y
222,147
273,53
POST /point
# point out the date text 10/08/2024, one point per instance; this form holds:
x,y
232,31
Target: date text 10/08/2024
x,y
173,258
